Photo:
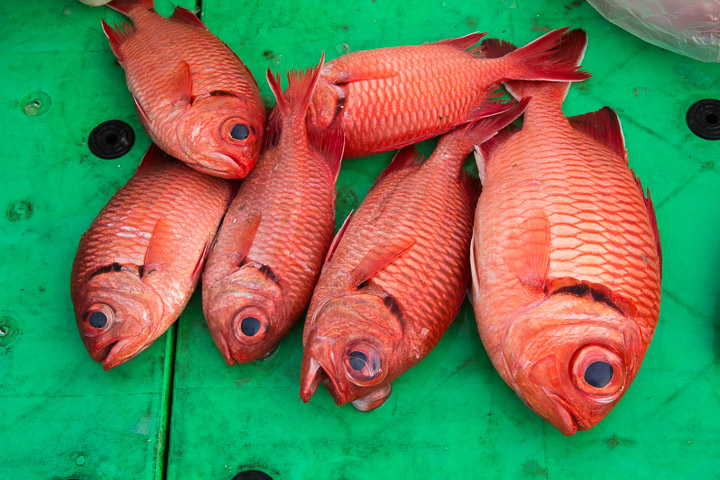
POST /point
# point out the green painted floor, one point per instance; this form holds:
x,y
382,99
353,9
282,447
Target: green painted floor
x,y
178,411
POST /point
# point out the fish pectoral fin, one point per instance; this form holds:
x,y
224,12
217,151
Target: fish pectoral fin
x,y
338,237
528,255
245,235
360,74
158,251
182,85
378,258
183,15
117,37
604,126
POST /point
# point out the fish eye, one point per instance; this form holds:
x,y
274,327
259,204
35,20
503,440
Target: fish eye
x,y
599,374
99,316
97,319
240,132
249,326
363,364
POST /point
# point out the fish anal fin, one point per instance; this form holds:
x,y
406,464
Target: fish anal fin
x,y
408,157
528,257
604,126
183,15
117,37
338,237
378,258
467,42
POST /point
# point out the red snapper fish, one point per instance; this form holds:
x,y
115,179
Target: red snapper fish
x,y
195,98
397,274
272,244
141,258
566,255
388,98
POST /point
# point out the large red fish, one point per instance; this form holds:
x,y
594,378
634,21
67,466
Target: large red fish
x,y
566,256
141,258
269,252
398,273
388,98
194,96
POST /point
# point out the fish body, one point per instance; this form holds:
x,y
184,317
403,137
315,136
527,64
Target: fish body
x,y
139,262
397,274
194,96
272,244
388,98
566,256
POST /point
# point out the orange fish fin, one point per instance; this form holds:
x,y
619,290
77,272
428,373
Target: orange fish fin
x,y
604,126
489,146
183,83
472,186
331,145
242,240
142,115
489,107
201,261
653,218
467,42
117,37
158,252
359,74
496,48
487,127
378,258
599,293
127,6
408,157
338,237
153,155
183,15
528,255
301,86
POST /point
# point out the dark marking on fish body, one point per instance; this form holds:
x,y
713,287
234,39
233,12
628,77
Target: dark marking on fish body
x,y
392,305
18,211
582,290
267,271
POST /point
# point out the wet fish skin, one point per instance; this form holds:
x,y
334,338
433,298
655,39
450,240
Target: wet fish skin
x,y
139,261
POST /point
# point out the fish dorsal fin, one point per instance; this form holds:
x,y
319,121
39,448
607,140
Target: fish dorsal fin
x,y
604,126
182,83
338,237
183,15
153,155
159,253
407,157
330,145
652,217
244,237
599,293
467,42
378,258
528,255
117,37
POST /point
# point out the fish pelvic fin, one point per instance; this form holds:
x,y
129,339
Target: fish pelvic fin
x,y
127,6
301,85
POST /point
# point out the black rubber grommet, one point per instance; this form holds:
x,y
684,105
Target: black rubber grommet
x,y
252,475
703,118
111,139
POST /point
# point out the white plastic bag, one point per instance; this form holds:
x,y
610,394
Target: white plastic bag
x,y
688,27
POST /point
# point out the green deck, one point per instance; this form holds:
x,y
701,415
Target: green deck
x,y
178,411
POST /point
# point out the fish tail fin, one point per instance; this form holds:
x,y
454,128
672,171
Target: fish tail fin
x,y
553,57
127,6
295,100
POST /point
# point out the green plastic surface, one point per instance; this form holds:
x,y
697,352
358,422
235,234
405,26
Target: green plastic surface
x,y
449,417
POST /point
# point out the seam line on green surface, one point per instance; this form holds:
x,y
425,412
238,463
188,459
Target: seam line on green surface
x,y
167,397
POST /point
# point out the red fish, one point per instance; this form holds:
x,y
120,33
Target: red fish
x,y
388,98
195,98
272,244
398,272
566,256
140,260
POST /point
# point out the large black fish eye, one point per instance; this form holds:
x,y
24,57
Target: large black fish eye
x,y
357,360
250,326
240,132
98,319
599,374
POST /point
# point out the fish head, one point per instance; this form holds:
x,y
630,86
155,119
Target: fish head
x,y
117,316
350,348
221,135
572,359
245,314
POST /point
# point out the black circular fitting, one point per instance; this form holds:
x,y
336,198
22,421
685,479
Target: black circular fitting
x,y
252,475
703,118
111,139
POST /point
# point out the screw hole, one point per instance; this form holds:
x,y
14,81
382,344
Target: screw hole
x,y
111,138
712,118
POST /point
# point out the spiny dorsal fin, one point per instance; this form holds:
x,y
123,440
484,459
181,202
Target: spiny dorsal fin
x,y
604,126
338,237
378,258
408,157
183,15
467,42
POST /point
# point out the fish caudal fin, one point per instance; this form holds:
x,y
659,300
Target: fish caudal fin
x,y
553,57
293,103
127,6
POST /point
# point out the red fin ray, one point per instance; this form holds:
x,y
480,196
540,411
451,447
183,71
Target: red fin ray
x,y
158,253
378,258
242,240
338,237
153,155
301,86
408,157
653,218
331,145
183,83
183,15
604,126
491,144
467,42
117,37
528,257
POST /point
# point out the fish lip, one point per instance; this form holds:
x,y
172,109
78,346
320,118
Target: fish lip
x,y
236,164
113,358
319,375
225,349
572,422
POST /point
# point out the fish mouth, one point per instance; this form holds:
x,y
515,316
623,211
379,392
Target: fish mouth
x,y
312,377
117,354
235,166
571,421
224,348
